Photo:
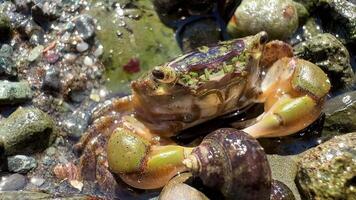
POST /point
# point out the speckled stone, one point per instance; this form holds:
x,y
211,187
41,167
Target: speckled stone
x,y
21,163
328,171
13,182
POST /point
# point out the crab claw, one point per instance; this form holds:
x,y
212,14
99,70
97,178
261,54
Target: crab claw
x,y
293,91
142,164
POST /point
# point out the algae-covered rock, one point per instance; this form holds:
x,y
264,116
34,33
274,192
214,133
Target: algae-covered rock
x,y
328,171
340,117
279,18
14,92
329,54
26,130
343,14
134,40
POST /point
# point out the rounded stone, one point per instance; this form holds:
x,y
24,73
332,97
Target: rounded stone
x,y
13,182
278,18
26,130
21,163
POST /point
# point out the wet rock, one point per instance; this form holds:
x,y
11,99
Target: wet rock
x,y
343,14
279,18
77,122
85,26
331,55
311,29
284,169
45,11
38,181
340,115
328,171
17,195
12,182
35,53
199,33
51,81
7,66
21,163
14,92
5,27
26,130
37,37
82,46
281,191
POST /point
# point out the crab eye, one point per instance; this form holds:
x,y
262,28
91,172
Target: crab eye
x,y
164,74
263,38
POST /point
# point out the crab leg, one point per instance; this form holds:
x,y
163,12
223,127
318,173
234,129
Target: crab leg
x,y
293,91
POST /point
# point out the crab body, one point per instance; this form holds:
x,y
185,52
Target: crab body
x,y
130,135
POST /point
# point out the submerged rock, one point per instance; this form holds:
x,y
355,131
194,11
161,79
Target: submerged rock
x,y
12,182
21,163
328,171
331,55
340,117
14,92
26,130
279,18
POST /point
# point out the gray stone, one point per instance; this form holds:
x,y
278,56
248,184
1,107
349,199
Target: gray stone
x,y
84,26
26,130
35,53
21,163
14,92
77,123
328,171
21,195
340,117
330,55
284,169
12,182
51,81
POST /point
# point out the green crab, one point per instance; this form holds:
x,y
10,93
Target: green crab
x,y
131,135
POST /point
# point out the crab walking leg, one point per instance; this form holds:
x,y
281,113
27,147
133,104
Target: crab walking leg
x,y
141,162
293,93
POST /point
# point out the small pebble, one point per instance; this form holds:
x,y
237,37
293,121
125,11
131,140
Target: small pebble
x,y
98,51
21,163
13,182
84,26
70,57
82,46
88,61
14,92
38,181
51,57
35,53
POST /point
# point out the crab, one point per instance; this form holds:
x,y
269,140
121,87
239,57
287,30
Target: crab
x,y
130,136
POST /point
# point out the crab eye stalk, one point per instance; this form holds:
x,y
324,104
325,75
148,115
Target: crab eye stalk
x,y
164,74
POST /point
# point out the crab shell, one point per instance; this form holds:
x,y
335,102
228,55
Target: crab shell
x,y
199,86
